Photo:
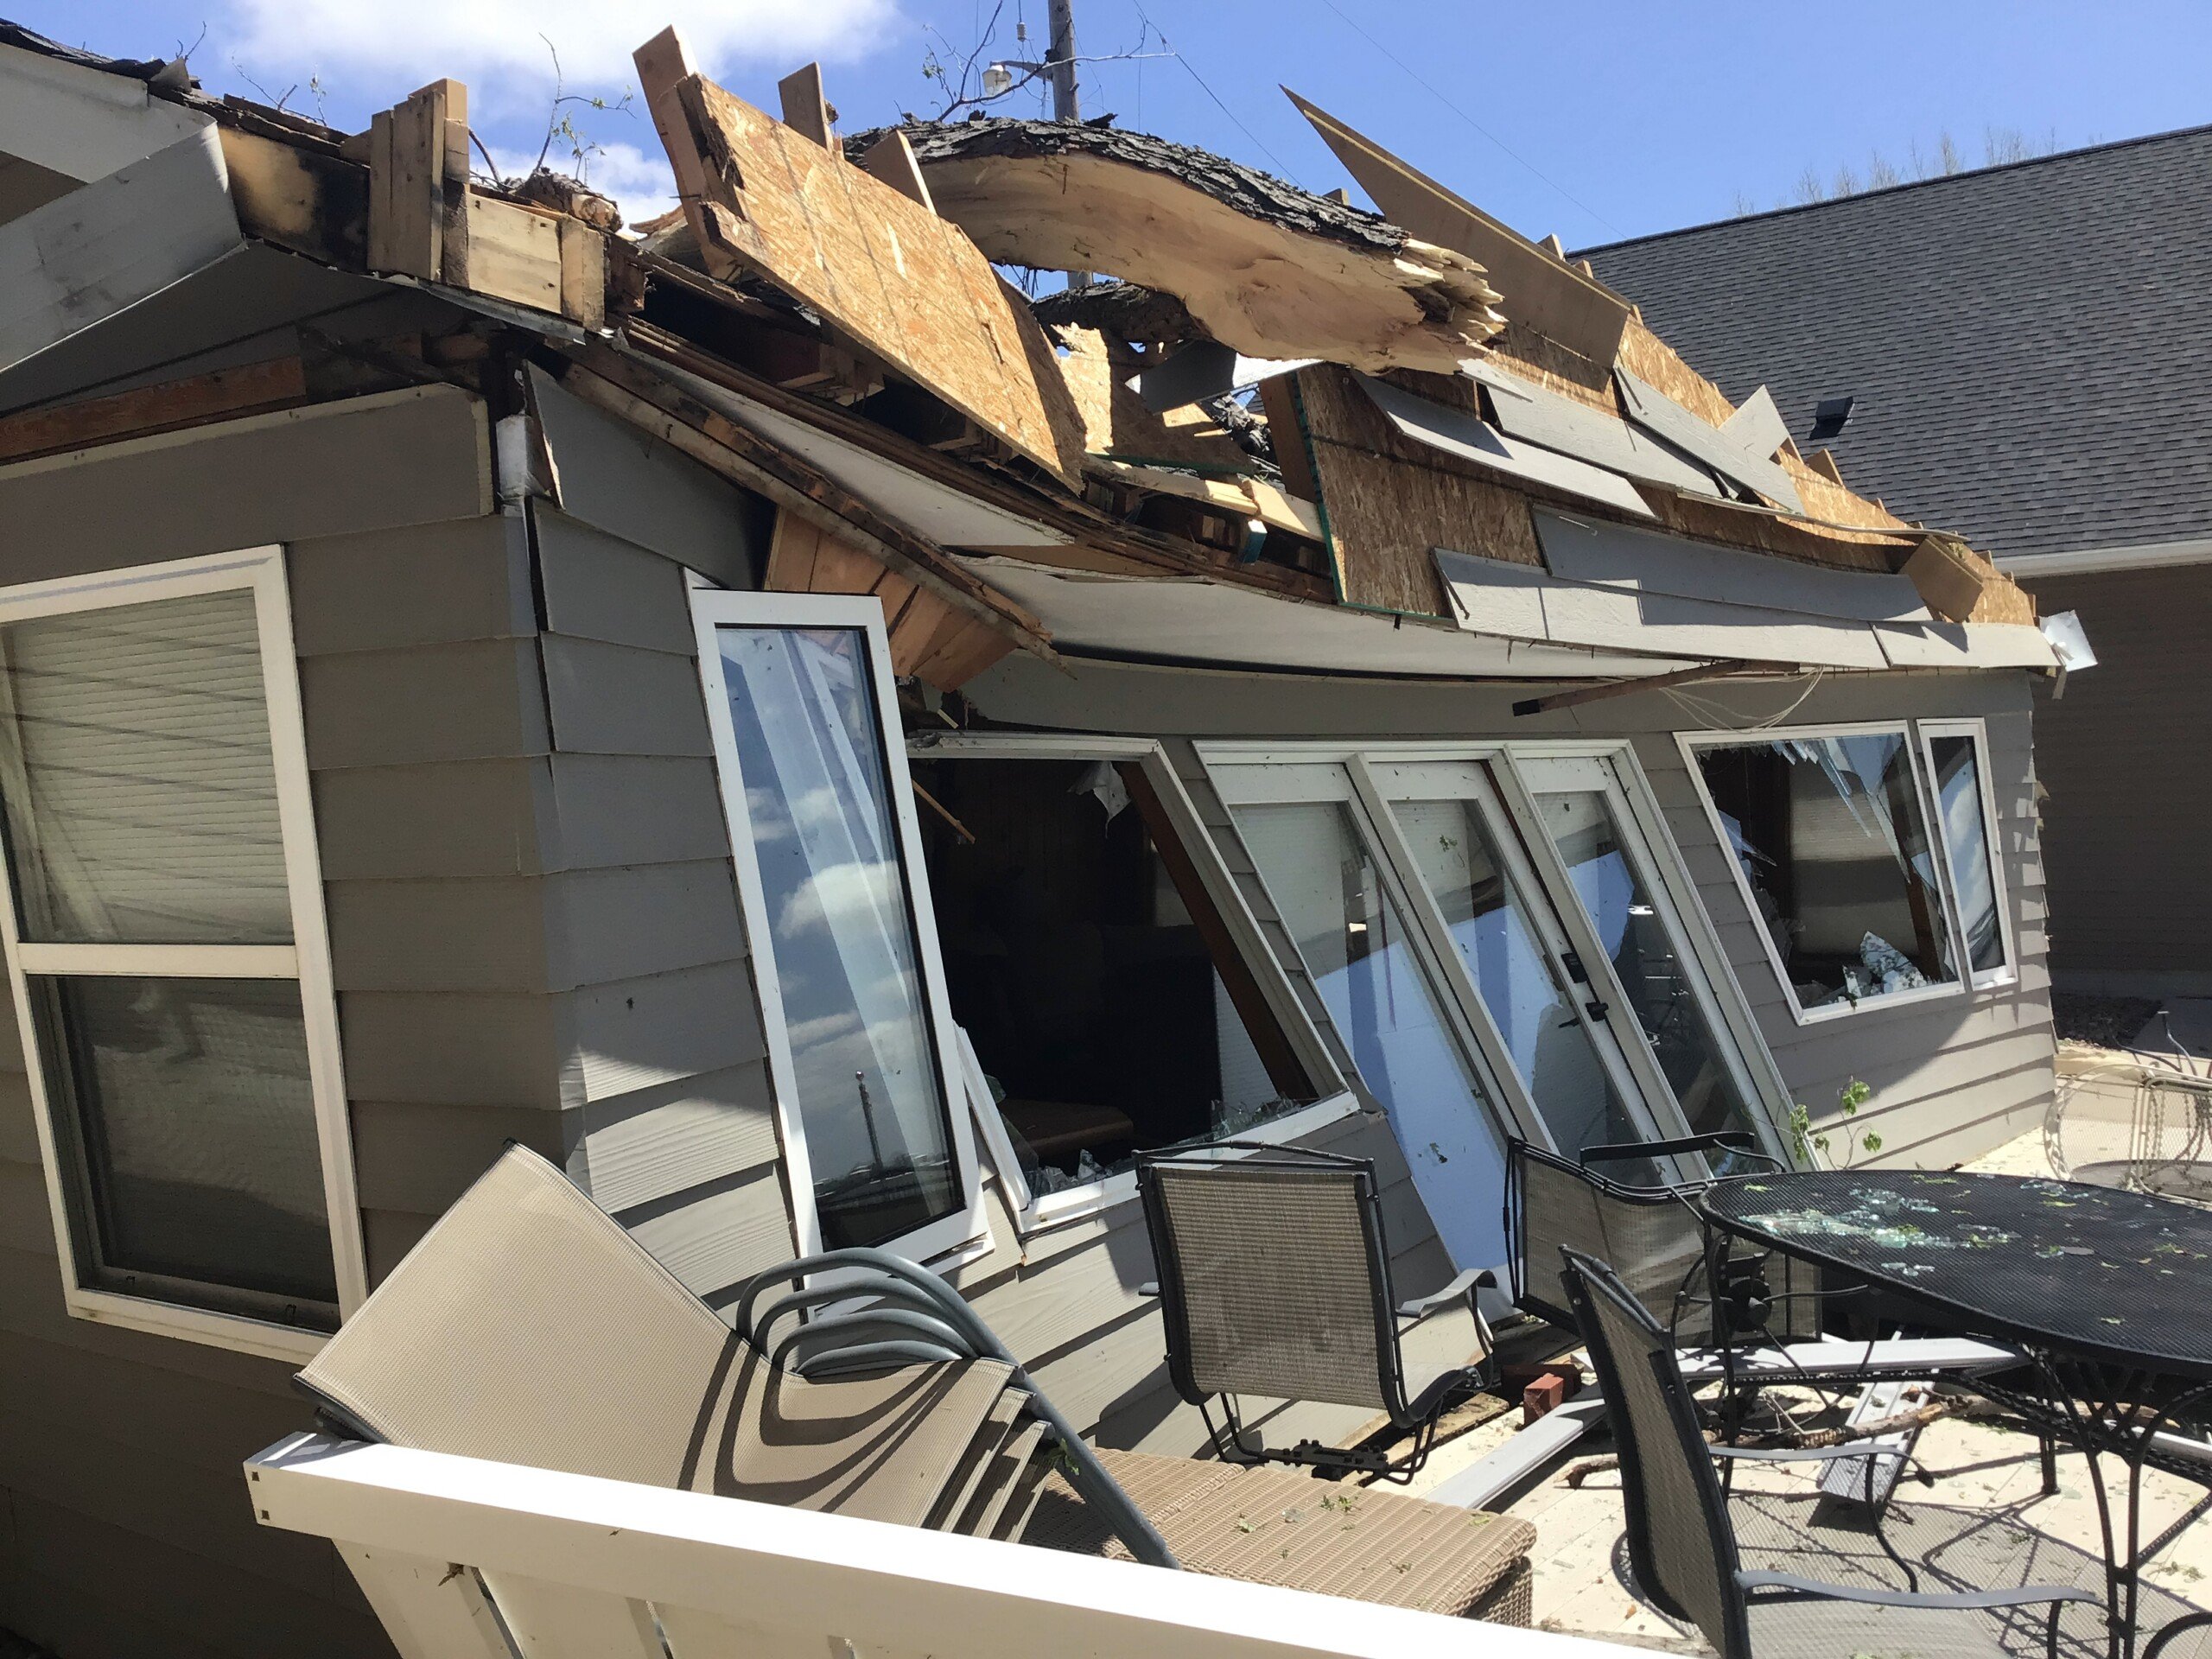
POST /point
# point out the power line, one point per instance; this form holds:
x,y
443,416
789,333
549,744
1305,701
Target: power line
x,y
1213,94
1470,120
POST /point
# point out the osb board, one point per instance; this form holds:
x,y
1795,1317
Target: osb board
x,y
1825,498
1388,502
910,287
1116,421
1715,521
929,638
1655,363
1520,349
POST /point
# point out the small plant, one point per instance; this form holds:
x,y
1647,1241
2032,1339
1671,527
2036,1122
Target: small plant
x,y
1815,1149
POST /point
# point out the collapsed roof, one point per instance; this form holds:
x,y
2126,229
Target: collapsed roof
x,y
1286,431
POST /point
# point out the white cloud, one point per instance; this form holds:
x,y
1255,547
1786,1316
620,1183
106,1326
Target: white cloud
x,y
498,47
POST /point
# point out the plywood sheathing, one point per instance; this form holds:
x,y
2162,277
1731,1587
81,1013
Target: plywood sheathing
x,y
909,287
1263,267
633,391
1388,502
1540,289
929,639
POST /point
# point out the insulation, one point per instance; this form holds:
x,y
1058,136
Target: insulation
x,y
1263,267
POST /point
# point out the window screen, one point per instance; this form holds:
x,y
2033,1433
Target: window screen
x,y
1832,838
141,810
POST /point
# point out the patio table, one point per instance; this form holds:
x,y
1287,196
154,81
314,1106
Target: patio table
x,y
2104,1290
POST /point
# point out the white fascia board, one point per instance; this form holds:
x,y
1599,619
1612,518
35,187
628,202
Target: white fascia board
x,y
82,122
2087,561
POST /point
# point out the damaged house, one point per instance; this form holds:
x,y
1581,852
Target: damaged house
x,y
831,753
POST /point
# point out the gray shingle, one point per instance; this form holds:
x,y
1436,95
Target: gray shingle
x,y
2030,345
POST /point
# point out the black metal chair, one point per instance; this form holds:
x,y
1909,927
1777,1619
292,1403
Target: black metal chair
x,y
1683,1550
1274,1283
1660,1246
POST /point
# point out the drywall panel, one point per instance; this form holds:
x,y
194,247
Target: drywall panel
x,y
1645,560
638,1148
599,821
641,1034
616,479
448,819
717,1241
474,699
1758,425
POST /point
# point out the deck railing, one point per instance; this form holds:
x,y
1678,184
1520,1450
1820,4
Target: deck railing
x,y
463,1559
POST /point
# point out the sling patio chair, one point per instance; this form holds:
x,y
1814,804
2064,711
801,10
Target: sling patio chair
x,y
1763,1329
528,1327
1275,1283
1689,1561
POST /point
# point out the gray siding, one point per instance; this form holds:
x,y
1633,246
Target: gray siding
x,y
2118,754
534,935
129,1530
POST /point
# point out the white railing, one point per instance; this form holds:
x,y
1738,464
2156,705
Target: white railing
x,y
456,1555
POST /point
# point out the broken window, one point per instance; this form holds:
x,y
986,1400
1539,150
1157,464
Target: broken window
x,y
1831,838
1967,804
1110,1008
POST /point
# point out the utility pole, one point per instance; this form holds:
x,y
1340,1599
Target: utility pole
x,y
1060,58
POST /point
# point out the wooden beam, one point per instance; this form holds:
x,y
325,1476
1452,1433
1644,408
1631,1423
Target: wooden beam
x,y
806,109
220,395
298,198
891,158
418,183
1649,682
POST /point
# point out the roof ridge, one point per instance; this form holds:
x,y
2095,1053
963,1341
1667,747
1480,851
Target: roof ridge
x,y
1894,189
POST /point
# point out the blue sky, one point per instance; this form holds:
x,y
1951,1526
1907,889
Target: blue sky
x,y
1595,120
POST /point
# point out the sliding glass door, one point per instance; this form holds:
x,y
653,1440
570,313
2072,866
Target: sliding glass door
x,y
1492,940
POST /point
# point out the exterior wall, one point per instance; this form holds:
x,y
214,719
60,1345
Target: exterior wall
x,y
1952,1076
129,1530
534,936
2119,756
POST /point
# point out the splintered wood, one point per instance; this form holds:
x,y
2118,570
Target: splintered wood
x,y
929,638
877,265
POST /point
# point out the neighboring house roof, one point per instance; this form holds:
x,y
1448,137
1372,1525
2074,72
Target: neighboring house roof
x,y
2029,345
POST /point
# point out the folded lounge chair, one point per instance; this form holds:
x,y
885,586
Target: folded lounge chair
x,y
528,1327
1274,1283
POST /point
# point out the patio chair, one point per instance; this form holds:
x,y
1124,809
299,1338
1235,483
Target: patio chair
x,y
1274,1283
1683,1549
528,1327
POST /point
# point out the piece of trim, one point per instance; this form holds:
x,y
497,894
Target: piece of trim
x,y
259,571
2080,562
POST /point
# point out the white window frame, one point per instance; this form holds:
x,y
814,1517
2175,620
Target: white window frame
x,y
260,571
1705,958
1038,1213
1985,979
1691,742
714,609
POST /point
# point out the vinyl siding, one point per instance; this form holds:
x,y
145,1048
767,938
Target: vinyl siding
x,y
534,937
2118,754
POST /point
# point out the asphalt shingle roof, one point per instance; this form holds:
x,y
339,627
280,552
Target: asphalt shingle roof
x,y
2030,346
